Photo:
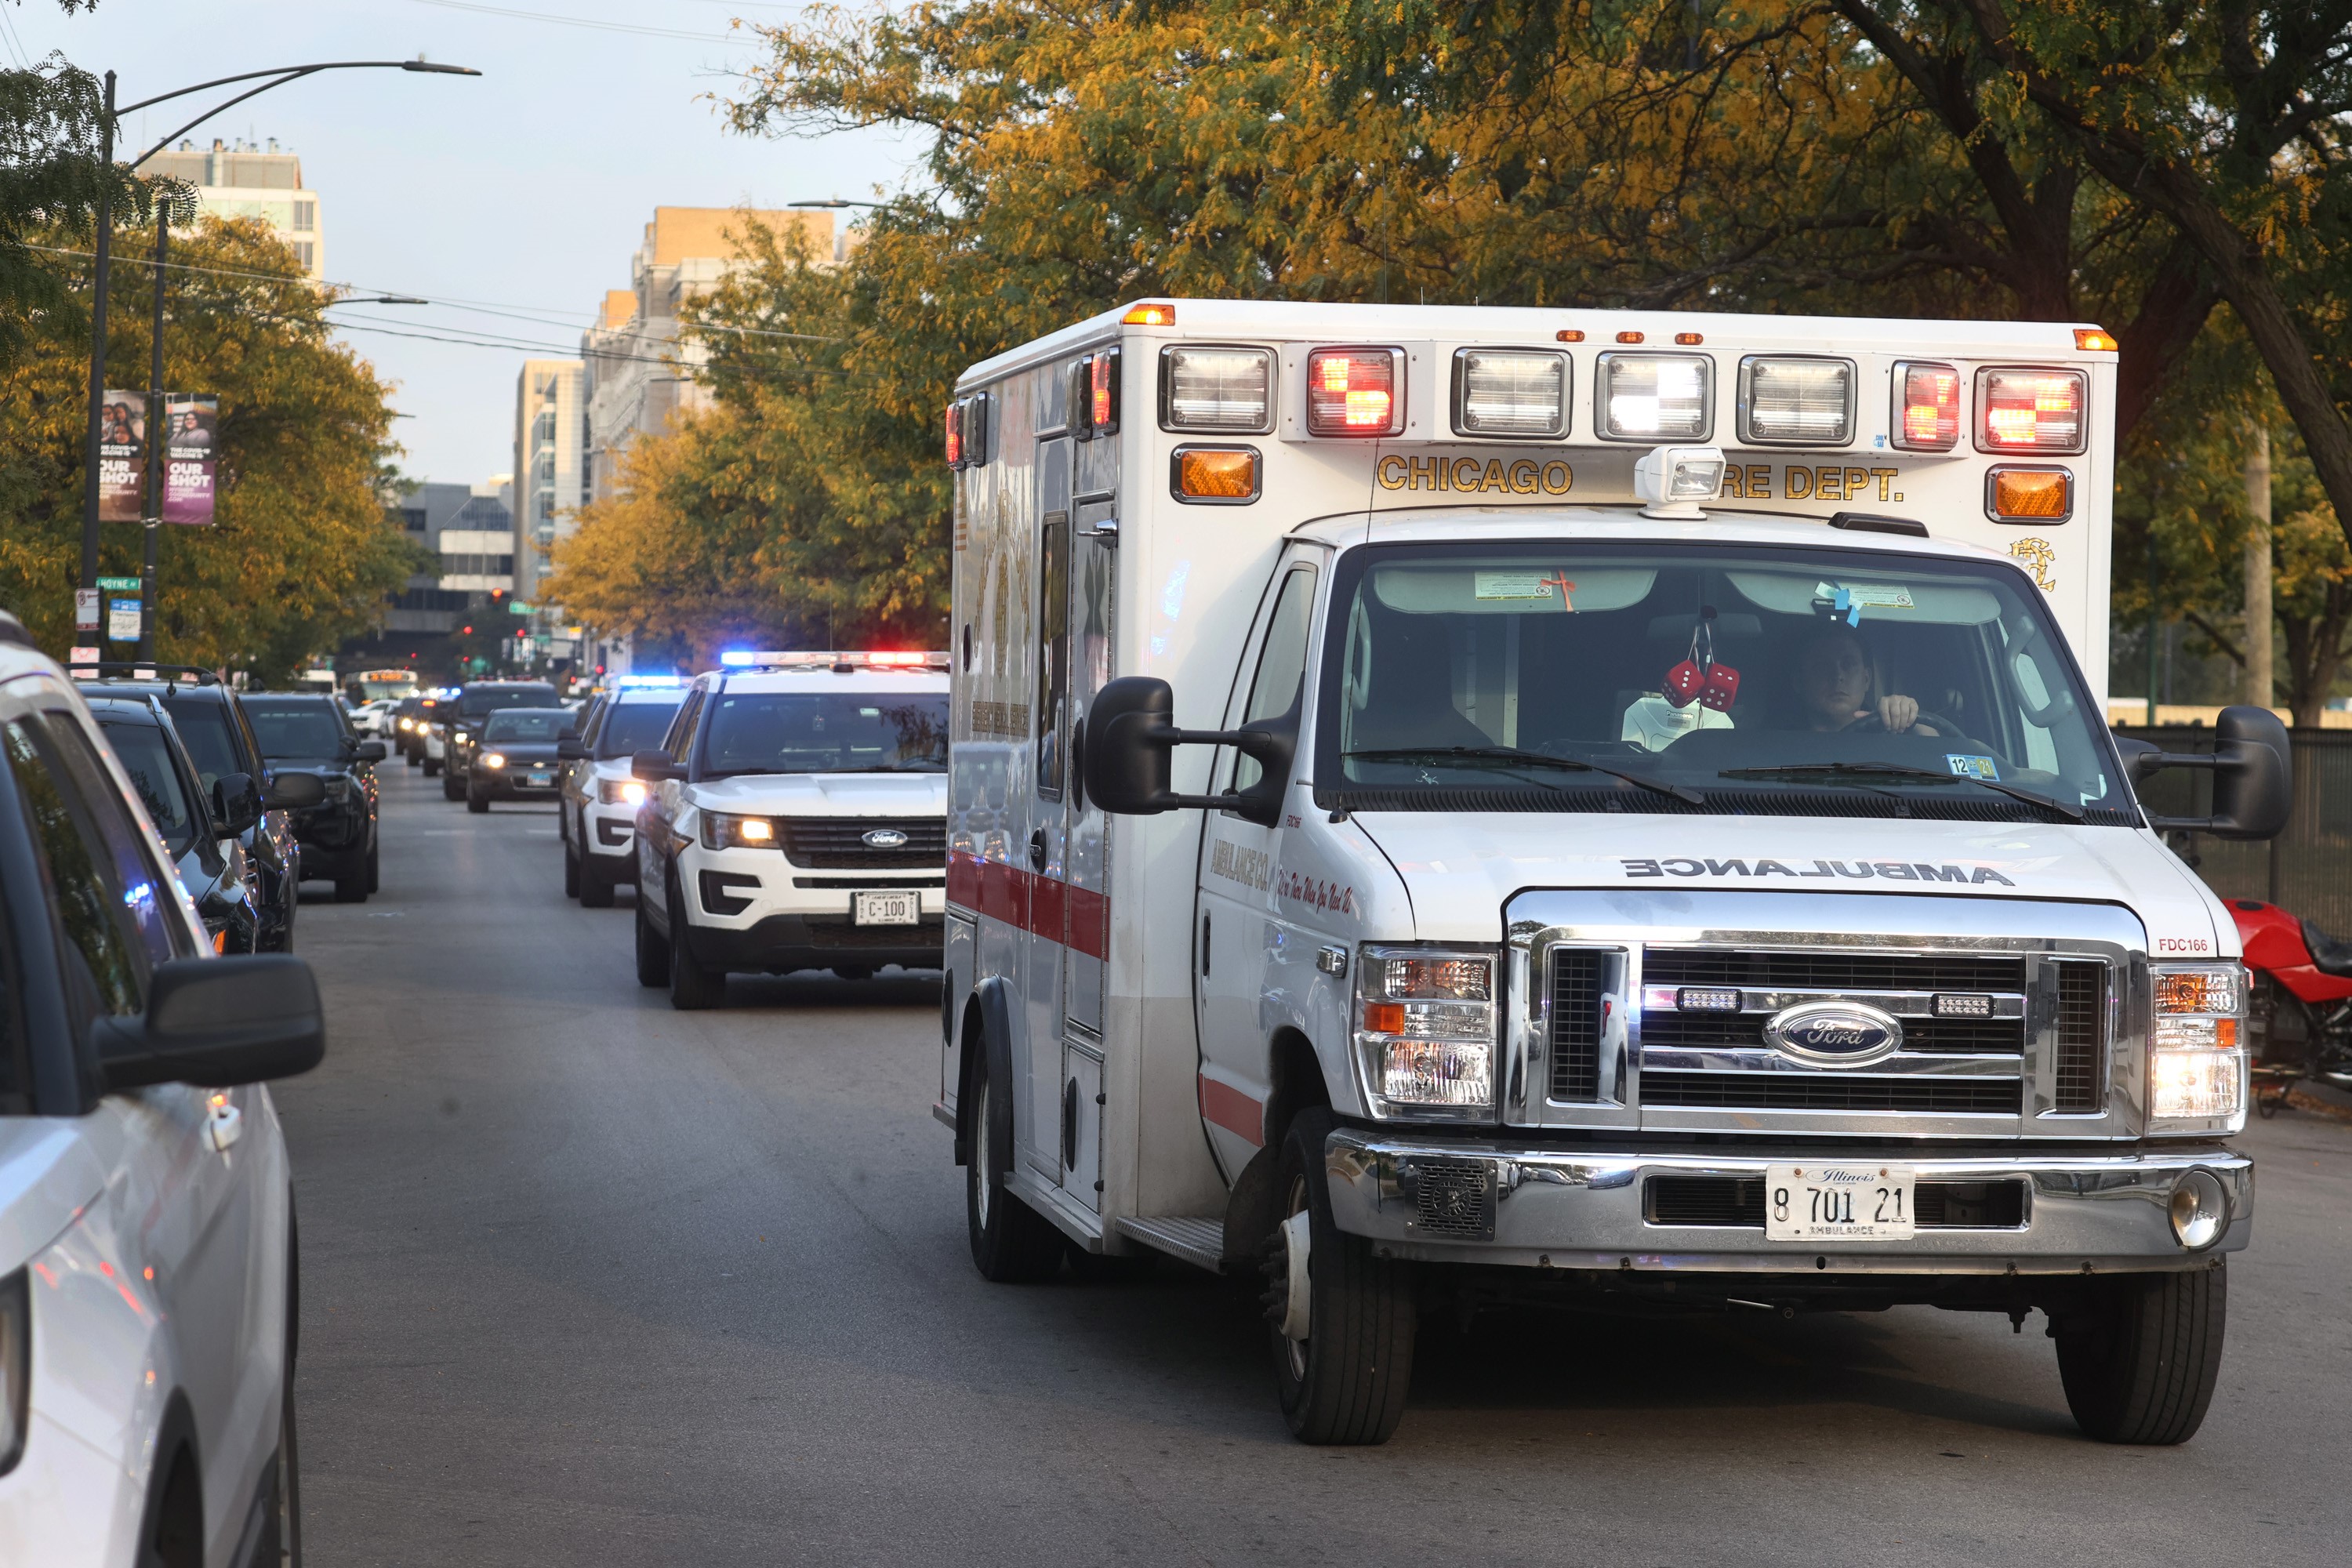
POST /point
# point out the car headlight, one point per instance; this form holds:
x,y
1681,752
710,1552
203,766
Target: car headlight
x,y
721,831
620,792
494,759
16,1366
1425,1032
2195,1048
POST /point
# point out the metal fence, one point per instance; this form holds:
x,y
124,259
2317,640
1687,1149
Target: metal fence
x,y
2306,870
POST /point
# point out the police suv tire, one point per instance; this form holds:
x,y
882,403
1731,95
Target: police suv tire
x,y
353,889
452,787
652,952
1346,1385
692,987
2140,1354
1012,1244
595,886
571,870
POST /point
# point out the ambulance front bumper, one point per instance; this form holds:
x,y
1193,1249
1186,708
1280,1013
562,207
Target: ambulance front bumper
x,y
1492,1202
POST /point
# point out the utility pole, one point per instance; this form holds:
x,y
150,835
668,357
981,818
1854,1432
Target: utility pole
x,y
2153,623
151,521
2259,667
96,351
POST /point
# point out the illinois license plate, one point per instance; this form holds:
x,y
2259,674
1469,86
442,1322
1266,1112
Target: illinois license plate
x,y
1838,1202
884,909
541,781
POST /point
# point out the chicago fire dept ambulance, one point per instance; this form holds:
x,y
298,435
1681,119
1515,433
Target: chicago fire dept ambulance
x,y
1460,805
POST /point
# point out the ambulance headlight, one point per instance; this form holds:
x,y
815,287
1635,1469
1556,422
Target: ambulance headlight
x,y
1225,390
2195,1048
1425,1032
1510,392
1655,397
1795,401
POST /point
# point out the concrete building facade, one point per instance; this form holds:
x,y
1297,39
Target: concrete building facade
x,y
551,437
239,180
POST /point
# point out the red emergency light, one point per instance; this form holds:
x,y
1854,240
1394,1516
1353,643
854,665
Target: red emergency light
x,y
1926,407
2030,410
1354,392
955,434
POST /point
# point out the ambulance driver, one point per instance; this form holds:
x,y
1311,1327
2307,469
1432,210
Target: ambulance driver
x,y
1833,686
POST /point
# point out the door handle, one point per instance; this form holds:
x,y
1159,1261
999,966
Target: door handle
x,y
224,1123
1037,850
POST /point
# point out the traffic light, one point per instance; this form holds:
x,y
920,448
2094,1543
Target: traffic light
x,y
469,631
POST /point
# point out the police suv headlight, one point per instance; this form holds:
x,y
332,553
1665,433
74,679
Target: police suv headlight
x,y
1425,1032
2197,1056
620,792
723,831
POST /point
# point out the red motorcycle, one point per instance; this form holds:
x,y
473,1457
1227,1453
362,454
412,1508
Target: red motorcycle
x,y
2299,1008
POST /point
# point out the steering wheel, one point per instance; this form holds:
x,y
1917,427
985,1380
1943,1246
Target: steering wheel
x,y
1946,729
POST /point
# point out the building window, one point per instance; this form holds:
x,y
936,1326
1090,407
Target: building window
x,y
413,520
305,254
306,216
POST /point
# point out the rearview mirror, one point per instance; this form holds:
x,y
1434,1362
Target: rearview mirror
x,y
292,791
2253,775
568,747
236,804
1127,765
653,768
217,1023
368,751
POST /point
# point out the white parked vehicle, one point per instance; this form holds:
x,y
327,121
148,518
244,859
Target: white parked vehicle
x,y
1456,805
796,820
598,816
371,718
147,1242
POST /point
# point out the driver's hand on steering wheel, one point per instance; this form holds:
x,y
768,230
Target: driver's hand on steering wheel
x,y
1898,713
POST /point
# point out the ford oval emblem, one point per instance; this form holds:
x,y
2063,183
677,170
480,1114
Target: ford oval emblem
x,y
1840,1034
885,838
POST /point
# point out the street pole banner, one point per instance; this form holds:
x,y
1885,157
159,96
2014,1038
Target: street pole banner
x,y
191,453
121,456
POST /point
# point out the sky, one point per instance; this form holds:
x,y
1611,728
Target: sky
x,y
524,190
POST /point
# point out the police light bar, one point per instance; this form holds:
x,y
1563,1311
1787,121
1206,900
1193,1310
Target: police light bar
x,y
1672,481
1796,400
837,659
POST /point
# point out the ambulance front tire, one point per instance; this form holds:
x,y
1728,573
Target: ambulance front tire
x,y
1012,1244
1344,1383
2139,1354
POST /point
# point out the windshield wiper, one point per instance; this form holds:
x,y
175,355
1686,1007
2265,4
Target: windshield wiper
x,y
1928,775
1512,754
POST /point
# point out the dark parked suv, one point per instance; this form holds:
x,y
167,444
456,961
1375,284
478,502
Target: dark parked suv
x,y
250,801
313,735
464,715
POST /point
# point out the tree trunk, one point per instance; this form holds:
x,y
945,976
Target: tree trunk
x,y
2258,566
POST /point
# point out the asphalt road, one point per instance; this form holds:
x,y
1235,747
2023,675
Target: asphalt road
x,y
586,1280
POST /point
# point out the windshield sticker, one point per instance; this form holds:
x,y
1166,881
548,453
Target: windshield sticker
x,y
1858,870
1847,603
1521,585
1983,768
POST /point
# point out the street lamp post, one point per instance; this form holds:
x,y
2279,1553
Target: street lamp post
x,y
100,272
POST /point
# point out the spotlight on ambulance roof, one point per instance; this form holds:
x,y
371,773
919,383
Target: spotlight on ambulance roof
x,y
1927,406
842,661
2028,410
1228,391
1673,481
1520,392
1793,400
1355,392
1643,397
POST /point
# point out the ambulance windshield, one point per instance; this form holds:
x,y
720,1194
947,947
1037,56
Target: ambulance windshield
x,y
1587,677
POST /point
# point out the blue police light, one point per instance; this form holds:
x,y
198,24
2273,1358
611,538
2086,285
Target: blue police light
x,y
637,682
735,657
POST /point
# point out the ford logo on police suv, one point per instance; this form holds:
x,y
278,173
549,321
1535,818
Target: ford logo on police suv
x,y
885,838
1843,1033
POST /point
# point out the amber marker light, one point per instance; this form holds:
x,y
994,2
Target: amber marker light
x,y
1227,474
1384,1018
1568,335
2095,339
1150,316
2031,495
1689,340
1629,336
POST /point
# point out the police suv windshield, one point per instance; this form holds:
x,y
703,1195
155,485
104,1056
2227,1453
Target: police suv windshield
x,y
636,725
827,732
1723,679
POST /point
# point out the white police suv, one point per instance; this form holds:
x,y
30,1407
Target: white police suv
x,y
598,816
796,817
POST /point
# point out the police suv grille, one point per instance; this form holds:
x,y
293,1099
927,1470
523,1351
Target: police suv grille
x,y
1833,969
1577,975
1831,1091
2081,1035
1739,1201
837,842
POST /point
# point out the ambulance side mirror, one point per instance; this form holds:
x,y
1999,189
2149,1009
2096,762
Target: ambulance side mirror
x,y
2253,775
1130,737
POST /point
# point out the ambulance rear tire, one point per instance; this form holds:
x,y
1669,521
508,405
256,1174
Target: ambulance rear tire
x,y
1345,1384
1012,1244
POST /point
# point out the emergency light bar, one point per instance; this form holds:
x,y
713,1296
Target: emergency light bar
x,y
1647,396
841,661
2031,411
1355,392
1517,393
1796,400
1926,407
1221,390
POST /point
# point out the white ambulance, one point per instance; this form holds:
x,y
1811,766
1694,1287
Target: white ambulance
x,y
1460,805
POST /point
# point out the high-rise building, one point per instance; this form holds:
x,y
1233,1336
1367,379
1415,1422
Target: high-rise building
x,y
549,474
639,376
237,180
